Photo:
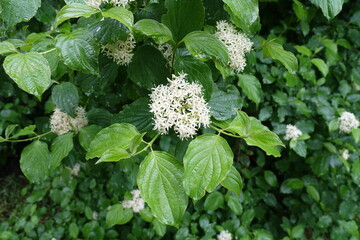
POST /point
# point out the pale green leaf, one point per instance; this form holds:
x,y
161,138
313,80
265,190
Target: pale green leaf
x,y
30,71
330,8
114,155
233,181
60,148
6,47
118,135
321,65
121,14
207,162
151,28
160,182
251,87
15,11
118,215
74,10
313,192
277,52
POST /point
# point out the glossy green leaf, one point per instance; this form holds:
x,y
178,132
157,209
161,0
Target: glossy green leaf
x,y
160,182
277,52
214,201
356,134
87,134
207,162
313,192
235,205
330,8
74,10
197,71
245,14
114,155
270,178
321,65
148,67
15,11
300,148
121,14
118,215
118,135
6,47
233,181
28,130
355,173
9,129
251,87
78,51
159,228
151,28
205,46
254,133
73,230
138,114
183,17
34,161
60,148
65,97
223,105
30,71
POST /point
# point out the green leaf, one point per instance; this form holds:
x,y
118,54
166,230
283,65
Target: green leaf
x,y
28,130
303,50
159,228
6,47
251,87
270,178
60,148
277,52
291,184
65,97
207,162
183,17
160,182
34,161
356,134
321,65
15,11
355,173
300,148
74,10
197,71
151,28
114,155
30,71
254,133
108,31
330,8
118,215
121,14
246,14
233,181
78,51
148,67
223,105
9,129
214,201
138,114
333,125
235,205
73,230
87,134
205,46
118,135
313,192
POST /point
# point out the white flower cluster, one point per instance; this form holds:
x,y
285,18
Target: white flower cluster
x,y
121,51
345,154
292,132
62,123
180,105
224,235
347,122
97,3
236,43
167,50
137,203
76,169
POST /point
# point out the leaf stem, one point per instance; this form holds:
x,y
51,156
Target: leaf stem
x,y
148,144
221,131
28,139
48,51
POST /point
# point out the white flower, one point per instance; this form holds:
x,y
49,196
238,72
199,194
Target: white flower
x,y
62,123
236,43
347,122
136,204
95,215
224,235
292,132
180,105
345,154
121,51
97,3
167,50
59,122
76,169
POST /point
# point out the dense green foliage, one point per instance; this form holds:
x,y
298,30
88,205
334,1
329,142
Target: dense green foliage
x,y
241,174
